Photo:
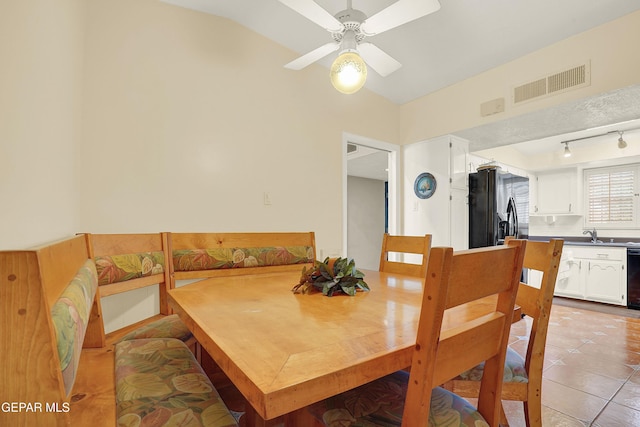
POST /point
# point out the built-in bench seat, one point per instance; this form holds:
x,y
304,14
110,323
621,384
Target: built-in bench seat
x,y
61,361
159,382
47,300
204,255
126,262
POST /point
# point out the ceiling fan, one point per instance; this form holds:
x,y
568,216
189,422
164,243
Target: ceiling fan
x,y
349,28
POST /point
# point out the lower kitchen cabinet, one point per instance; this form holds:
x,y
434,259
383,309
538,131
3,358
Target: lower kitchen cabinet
x,y
595,273
569,282
603,281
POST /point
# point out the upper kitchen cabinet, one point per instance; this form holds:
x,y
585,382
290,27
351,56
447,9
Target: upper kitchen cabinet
x,y
556,193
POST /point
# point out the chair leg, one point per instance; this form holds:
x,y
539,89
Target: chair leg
x,y
533,413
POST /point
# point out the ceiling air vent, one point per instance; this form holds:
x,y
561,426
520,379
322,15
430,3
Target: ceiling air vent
x,y
351,148
554,83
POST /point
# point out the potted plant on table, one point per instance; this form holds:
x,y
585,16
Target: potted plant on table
x,y
330,276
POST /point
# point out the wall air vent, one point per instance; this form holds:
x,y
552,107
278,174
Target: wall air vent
x,y
351,148
572,78
530,90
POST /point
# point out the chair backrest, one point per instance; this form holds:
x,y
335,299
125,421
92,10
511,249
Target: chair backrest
x,y
453,279
536,302
126,262
418,245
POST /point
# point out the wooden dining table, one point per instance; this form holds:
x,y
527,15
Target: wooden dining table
x,y
284,351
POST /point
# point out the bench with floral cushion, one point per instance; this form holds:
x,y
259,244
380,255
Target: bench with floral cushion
x,y
126,262
159,382
46,298
62,367
204,255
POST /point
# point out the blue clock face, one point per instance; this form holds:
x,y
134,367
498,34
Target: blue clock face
x,y
425,185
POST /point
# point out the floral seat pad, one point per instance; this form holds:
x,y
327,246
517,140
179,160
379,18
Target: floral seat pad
x,y
167,327
159,383
381,403
514,370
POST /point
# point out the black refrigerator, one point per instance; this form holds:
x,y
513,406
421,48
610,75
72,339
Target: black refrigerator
x,y
498,207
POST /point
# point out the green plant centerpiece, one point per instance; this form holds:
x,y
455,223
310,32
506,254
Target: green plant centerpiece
x,y
330,276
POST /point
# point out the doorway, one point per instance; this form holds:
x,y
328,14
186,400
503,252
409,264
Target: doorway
x,y
370,197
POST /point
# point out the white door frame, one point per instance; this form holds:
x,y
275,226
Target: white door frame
x,y
393,187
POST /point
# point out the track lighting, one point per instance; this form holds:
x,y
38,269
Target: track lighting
x,y
621,142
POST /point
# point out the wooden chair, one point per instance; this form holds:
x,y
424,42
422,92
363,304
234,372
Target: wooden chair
x,y
452,279
419,245
523,380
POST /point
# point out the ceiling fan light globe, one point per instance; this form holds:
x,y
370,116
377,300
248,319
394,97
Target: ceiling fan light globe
x,y
348,73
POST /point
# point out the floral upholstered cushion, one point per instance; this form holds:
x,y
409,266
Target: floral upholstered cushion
x,y
217,258
70,315
119,268
514,371
168,327
159,383
381,403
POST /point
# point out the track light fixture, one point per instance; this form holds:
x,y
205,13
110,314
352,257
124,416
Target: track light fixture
x,y
621,142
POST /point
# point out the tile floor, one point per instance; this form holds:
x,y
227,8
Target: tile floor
x,y
592,368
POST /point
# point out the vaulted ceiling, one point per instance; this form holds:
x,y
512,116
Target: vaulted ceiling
x,y
462,39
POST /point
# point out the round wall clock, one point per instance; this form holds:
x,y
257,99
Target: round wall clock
x,y
425,185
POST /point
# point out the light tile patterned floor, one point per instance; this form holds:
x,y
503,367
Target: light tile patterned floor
x,y
592,369
591,374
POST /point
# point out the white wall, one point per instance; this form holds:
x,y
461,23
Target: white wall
x,y
41,44
190,118
365,205
427,216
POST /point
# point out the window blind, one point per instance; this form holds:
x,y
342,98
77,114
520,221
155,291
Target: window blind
x,y
610,196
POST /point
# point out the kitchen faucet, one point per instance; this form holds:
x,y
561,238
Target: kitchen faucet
x,y
594,235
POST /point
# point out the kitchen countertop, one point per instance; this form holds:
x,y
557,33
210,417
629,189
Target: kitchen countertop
x,y
619,242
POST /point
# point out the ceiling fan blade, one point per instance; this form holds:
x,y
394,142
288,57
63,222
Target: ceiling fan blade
x,y
313,56
378,59
313,12
398,13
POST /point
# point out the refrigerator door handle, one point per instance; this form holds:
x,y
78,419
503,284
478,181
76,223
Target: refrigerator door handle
x,y
512,212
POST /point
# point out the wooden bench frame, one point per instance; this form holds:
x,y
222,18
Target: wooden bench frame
x,y
32,281
117,244
30,284
179,241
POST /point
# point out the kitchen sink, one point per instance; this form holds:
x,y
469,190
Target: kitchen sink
x,y
601,243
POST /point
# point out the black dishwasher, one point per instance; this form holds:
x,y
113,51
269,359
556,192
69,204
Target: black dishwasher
x,y
633,278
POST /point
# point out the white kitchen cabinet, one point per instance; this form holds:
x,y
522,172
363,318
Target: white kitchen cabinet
x,y
569,282
556,192
459,231
458,158
593,273
605,277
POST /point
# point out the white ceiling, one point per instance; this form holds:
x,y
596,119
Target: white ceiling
x,y
462,39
